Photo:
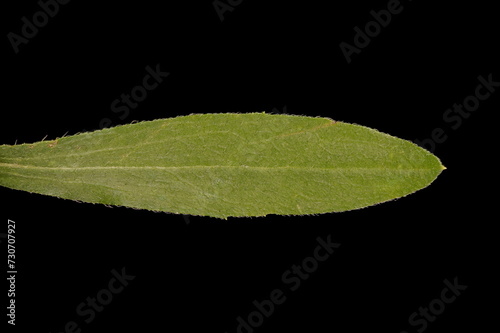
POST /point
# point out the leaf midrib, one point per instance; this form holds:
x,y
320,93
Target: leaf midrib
x,y
19,166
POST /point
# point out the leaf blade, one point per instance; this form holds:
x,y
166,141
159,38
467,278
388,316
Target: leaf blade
x,y
224,165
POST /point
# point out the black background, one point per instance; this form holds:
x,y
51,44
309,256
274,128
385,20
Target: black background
x,y
197,274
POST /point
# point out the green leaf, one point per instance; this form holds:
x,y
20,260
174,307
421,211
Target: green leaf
x,y
224,165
